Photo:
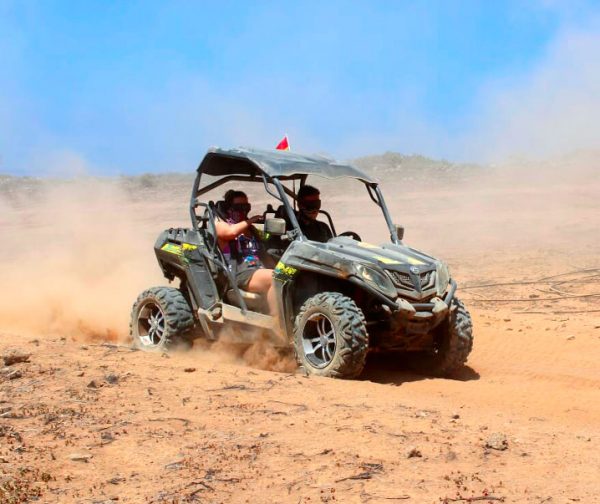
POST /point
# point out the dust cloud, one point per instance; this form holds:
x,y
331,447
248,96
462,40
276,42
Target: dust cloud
x,y
261,355
251,349
73,257
75,254
547,112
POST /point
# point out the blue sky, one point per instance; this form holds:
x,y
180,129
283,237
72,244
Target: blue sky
x,y
141,86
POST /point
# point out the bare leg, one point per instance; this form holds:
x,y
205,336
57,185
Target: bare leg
x,y
262,281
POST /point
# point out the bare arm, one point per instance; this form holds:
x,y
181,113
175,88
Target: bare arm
x,y
227,232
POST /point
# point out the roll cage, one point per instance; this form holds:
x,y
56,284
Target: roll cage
x,y
271,168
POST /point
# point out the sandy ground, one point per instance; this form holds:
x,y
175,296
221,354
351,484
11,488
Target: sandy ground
x,y
86,419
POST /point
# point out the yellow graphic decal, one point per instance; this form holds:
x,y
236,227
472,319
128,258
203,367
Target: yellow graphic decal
x,y
413,261
285,270
172,249
189,246
386,260
367,245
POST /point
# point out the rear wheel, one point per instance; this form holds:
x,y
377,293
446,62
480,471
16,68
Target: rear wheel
x,y
453,343
330,336
161,318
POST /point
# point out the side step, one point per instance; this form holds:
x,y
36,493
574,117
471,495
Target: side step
x,y
235,314
225,312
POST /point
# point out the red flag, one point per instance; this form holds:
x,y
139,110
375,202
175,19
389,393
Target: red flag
x,y
284,144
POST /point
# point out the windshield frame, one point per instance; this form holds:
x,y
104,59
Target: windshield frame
x,y
283,194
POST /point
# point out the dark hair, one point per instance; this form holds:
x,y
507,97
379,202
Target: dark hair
x,y
231,195
307,190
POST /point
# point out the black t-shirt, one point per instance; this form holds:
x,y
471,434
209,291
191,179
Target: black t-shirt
x,y
314,230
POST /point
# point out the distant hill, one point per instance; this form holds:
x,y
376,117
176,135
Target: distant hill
x,y
384,167
414,168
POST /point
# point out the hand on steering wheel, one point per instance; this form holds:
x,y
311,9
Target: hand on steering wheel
x,y
256,219
351,234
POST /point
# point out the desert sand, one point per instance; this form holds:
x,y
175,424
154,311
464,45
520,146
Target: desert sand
x,y
86,419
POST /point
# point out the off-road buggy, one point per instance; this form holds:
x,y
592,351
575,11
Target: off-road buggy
x,y
336,301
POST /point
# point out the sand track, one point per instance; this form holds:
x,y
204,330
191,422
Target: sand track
x,y
228,432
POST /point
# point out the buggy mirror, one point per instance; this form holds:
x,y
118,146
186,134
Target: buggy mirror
x,y
399,231
275,226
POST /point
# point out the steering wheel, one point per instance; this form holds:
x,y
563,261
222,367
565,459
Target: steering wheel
x,y
351,234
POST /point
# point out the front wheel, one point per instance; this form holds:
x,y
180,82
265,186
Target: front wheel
x,y
330,336
161,318
453,342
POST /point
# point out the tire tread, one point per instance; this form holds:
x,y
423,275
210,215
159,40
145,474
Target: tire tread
x,y
350,358
178,314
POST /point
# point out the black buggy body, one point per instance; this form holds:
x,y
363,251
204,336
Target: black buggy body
x,y
336,300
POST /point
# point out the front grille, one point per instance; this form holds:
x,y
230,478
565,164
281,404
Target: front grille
x,y
404,281
427,280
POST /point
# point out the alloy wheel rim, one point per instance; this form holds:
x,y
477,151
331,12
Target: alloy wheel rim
x,y
151,325
318,340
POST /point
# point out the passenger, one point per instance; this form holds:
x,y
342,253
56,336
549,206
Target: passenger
x,y
239,242
309,204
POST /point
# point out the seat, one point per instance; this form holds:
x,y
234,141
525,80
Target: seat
x,y
254,301
280,213
219,209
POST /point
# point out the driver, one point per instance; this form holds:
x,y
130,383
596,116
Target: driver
x,y
239,241
309,204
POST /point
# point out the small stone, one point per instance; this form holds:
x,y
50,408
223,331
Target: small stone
x,y
14,375
451,456
111,378
569,338
175,465
189,369
497,441
80,374
93,384
414,452
80,457
456,416
15,357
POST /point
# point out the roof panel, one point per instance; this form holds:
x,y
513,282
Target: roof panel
x,y
275,163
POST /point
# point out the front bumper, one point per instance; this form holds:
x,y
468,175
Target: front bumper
x,y
420,318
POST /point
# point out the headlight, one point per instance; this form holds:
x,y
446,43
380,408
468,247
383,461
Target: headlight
x,y
442,277
377,279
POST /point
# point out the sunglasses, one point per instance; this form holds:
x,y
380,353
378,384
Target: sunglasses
x,y
311,205
241,207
